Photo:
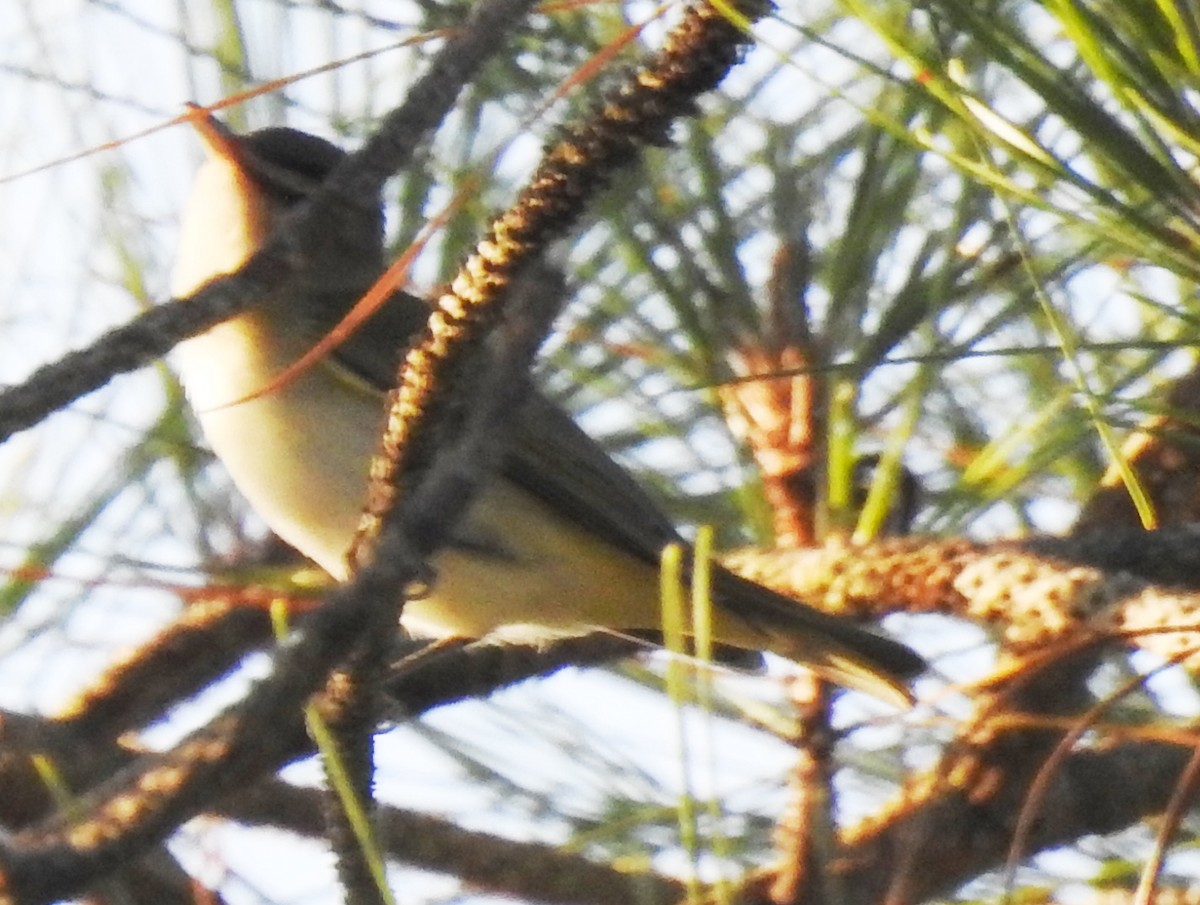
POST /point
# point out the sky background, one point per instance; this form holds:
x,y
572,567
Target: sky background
x,y
87,232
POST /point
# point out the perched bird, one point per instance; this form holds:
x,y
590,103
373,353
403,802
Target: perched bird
x,y
563,538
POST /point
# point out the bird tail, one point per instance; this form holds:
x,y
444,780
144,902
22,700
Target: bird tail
x,y
751,615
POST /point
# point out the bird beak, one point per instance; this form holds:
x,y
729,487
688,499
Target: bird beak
x,y
219,140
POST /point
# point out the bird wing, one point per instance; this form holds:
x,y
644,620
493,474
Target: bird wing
x,y
550,457
553,459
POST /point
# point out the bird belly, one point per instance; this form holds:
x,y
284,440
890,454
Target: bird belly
x,y
298,452
301,460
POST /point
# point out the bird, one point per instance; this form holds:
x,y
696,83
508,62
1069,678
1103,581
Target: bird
x,y
563,538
